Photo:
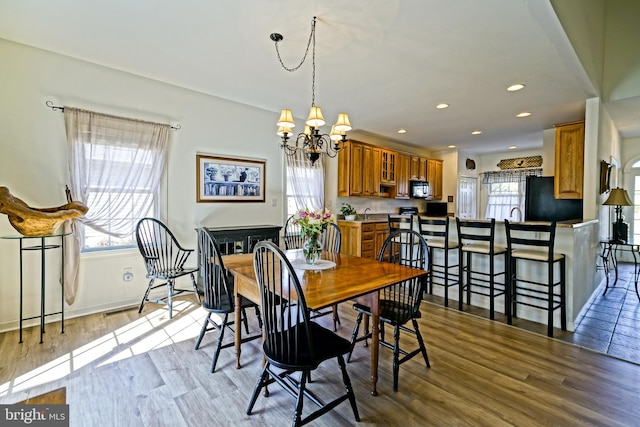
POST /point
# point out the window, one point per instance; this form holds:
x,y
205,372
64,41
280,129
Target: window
x,y
506,191
115,165
118,202
503,197
305,183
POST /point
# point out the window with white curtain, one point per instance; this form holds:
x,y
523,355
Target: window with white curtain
x,y
116,165
305,183
506,191
503,197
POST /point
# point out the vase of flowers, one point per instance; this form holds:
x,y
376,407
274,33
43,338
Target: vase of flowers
x,y
312,224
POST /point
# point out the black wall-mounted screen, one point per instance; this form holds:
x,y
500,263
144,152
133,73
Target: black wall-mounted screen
x,y
540,205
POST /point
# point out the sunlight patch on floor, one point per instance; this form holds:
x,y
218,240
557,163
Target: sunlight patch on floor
x,y
152,331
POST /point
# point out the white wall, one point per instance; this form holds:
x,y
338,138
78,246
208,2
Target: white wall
x,y
33,165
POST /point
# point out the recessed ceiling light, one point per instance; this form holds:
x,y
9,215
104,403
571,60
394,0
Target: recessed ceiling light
x,y
442,106
476,132
523,114
512,147
515,87
402,131
452,146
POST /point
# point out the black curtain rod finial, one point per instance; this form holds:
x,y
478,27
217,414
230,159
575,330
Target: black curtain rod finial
x,y
53,107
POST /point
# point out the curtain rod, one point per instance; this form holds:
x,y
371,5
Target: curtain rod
x,y
61,109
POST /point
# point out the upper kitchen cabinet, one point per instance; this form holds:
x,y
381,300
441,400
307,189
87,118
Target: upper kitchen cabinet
x,y
569,158
371,171
388,167
434,177
358,170
403,174
418,168
350,170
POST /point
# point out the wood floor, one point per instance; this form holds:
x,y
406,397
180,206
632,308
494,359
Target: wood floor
x,y
126,369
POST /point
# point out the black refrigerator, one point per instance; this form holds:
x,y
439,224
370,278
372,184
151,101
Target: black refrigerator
x,y
540,205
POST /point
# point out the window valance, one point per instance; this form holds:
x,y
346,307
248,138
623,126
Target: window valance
x,y
516,175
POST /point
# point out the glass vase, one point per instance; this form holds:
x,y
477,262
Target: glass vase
x,y
312,249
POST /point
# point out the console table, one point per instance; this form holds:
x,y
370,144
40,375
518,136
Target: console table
x,y
242,239
42,246
608,255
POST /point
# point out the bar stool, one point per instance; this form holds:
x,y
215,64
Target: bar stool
x,y
399,221
436,233
477,239
535,243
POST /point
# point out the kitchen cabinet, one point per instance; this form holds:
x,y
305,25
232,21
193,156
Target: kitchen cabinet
x,y
569,158
388,167
350,170
370,171
403,175
363,239
358,170
418,168
434,176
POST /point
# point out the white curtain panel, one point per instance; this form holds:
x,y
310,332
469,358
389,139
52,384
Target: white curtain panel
x,y
115,167
307,181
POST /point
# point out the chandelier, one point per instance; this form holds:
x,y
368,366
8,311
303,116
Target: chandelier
x,y
310,140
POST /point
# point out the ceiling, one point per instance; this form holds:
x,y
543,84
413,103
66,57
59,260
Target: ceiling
x,y
385,62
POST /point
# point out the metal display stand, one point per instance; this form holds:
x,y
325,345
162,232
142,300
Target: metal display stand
x,y
42,246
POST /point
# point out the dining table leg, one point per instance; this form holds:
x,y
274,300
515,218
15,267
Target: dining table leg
x,y
375,340
238,329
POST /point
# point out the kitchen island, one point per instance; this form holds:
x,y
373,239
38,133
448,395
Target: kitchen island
x,y
577,239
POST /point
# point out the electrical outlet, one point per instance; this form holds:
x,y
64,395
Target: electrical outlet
x,y
127,275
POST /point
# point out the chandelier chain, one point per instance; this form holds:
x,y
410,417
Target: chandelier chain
x,y
312,40
306,52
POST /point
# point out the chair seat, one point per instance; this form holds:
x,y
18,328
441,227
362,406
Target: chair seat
x,y
391,312
439,243
483,248
326,343
172,273
225,305
535,255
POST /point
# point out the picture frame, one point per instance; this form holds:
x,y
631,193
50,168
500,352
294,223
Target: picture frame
x,y
605,176
228,179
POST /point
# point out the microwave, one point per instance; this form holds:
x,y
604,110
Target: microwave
x,y
420,190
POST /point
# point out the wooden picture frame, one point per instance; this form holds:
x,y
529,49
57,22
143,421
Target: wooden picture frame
x,y
605,176
227,179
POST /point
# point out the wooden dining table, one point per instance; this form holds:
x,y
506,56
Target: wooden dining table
x,y
351,279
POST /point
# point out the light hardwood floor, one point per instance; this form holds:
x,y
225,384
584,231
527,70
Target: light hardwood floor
x,y
125,369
